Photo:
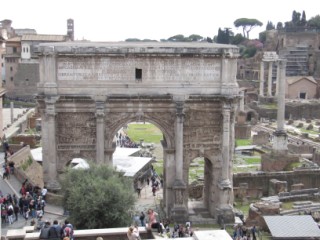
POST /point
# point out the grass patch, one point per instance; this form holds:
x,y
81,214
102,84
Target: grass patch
x,y
287,205
17,104
245,169
243,142
148,132
269,106
26,163
252,160
292,166
158,167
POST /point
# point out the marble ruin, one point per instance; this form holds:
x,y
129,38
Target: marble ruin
x,y
88,91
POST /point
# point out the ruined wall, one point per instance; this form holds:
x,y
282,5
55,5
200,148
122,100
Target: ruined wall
x,y
291,39
309,178
25,81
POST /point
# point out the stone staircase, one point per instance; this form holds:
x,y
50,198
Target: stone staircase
x,y
297,60
198,214
302,207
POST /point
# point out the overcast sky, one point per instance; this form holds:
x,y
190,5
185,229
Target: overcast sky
x,y
117,20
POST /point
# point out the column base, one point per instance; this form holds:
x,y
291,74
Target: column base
x,y
225,215
179,214
280,142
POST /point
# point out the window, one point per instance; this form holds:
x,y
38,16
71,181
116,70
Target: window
x,y
11,79
138,74
11,69
303,95
14,49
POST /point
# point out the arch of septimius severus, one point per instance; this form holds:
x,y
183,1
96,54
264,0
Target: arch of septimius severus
x,y
88,91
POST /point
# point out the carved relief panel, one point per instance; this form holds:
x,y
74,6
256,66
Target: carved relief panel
x,y
76,128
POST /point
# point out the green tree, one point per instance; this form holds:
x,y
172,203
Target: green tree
x,y
279,25
270,26
224,36
133,40
177,38
296,18
303,21
247,25
195,38
98,197
314,21
209,40
237,39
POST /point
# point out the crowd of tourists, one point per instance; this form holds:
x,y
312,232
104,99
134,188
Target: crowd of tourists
x,y
30,205
124,141
56,231
151,220
241,232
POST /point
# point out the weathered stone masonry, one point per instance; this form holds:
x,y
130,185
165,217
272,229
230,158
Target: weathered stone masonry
x,y
88,91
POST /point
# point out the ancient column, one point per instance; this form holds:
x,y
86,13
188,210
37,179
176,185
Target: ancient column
x,y
261,93
242,101
49,156
179,211
280,136
11,112
270,79
224,209
277,81
226,143
179,141
100,117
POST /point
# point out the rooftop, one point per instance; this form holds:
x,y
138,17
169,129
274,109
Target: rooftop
x,y
43,37
293,227
141,48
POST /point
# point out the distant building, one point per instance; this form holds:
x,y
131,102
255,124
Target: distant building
x,y
21,66
301,87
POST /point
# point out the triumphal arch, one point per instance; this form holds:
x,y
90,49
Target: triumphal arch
x,y
88,91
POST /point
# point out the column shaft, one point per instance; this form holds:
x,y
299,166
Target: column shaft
x,y
270,80
281,96
100,128
278,79
179,144
49,159
226,142
262,79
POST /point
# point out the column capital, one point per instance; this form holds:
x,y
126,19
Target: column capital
x,y
180,110
100,109
282,63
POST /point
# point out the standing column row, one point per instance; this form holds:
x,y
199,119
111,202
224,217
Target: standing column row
x,y
262,80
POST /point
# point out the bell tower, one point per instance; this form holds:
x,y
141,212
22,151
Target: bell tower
x,y
70,29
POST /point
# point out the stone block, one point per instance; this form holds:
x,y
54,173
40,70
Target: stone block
x,y
297,186
276,186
